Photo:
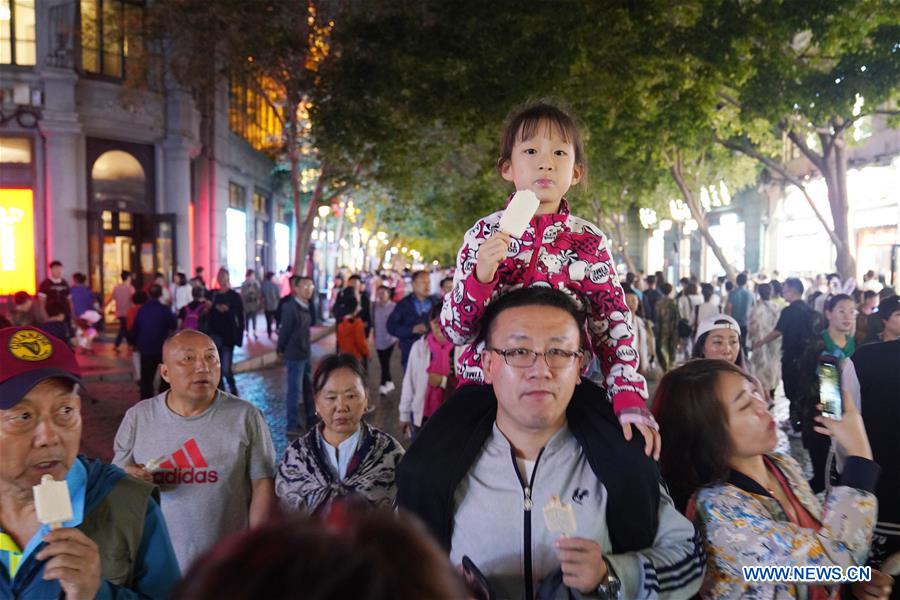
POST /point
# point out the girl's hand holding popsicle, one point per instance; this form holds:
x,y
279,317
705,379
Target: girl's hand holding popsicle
x,y
513,222
490,254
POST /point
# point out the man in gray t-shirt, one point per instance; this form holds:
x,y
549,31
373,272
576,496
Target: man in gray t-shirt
x,y
210,452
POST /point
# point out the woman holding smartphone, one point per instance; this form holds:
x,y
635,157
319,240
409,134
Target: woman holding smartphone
x,y
751,505
834,344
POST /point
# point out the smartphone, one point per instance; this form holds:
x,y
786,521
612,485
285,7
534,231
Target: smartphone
x,y
478,586
830,388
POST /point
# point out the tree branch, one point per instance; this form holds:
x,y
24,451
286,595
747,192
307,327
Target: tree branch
x,y
788,176
798,141
729,99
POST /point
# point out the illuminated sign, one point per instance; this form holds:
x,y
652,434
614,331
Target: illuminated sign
x,y
17,241
236,233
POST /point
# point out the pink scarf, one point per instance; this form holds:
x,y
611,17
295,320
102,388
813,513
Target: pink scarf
x,y
441,353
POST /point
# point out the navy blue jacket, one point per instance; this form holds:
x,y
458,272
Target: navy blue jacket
x,y
152,325
401,322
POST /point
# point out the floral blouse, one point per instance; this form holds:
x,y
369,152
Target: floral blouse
x,y
743,525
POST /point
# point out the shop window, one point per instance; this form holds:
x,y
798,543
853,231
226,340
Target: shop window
x,y
106,217
125,221
17,46
237,196
112,35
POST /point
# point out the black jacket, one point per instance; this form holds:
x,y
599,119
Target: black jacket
x,y
294,332
877,369
451,441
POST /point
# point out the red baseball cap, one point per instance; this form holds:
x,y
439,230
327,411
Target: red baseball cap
x,y
28,356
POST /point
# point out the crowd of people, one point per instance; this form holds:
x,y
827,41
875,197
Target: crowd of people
x,y
535,462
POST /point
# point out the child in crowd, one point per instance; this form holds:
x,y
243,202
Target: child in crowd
x,y
541,150
86,330
429,377
351,333
384,341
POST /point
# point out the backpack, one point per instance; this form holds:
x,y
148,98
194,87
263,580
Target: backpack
x,y
192,317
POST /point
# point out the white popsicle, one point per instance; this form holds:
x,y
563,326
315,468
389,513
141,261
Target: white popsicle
x,y
52,502
519,212
152,465
559,517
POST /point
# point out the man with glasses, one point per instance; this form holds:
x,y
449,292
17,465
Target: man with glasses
x,y
535,462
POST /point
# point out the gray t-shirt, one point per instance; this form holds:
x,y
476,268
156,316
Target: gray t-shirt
x,y
208,463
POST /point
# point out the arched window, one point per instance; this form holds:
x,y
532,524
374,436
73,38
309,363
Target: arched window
x,y
118,176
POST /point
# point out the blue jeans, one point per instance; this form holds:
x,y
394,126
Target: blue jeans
x,y
226,360
299,372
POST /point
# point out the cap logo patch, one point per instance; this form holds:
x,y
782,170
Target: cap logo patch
x,y
30,345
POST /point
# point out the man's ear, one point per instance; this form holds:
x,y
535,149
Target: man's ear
x,y
487,362
164,373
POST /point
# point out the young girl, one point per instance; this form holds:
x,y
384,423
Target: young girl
x,y
541,150
429,378
351,333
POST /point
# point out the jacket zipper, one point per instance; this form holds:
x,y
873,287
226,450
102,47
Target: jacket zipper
x,y
527,505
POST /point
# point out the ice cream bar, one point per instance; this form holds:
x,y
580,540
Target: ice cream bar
x,y
559,517
519,212
51,502
153,464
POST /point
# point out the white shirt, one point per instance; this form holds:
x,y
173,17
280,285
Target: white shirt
x,y
183,295
339,457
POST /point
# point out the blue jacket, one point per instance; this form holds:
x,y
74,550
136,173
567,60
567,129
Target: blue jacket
x,y
152,325
401,322
155,570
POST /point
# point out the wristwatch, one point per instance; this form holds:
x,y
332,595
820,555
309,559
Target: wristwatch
x,y
611,589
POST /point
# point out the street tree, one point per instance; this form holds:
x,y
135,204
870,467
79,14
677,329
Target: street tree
x,y
810,73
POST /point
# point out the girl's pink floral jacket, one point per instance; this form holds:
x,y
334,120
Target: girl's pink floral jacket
x,y
566,253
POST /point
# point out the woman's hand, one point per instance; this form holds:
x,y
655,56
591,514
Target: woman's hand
x,y
849,432
490,254
406,429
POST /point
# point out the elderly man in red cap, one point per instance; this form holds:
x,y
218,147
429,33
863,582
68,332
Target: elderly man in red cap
x,y
115,545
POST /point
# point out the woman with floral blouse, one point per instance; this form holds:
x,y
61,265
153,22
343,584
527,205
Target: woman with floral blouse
x,y
753,506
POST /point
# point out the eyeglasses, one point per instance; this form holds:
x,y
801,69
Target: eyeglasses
x,y
523,358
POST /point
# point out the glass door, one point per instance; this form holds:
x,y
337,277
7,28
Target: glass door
x,y
111,250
